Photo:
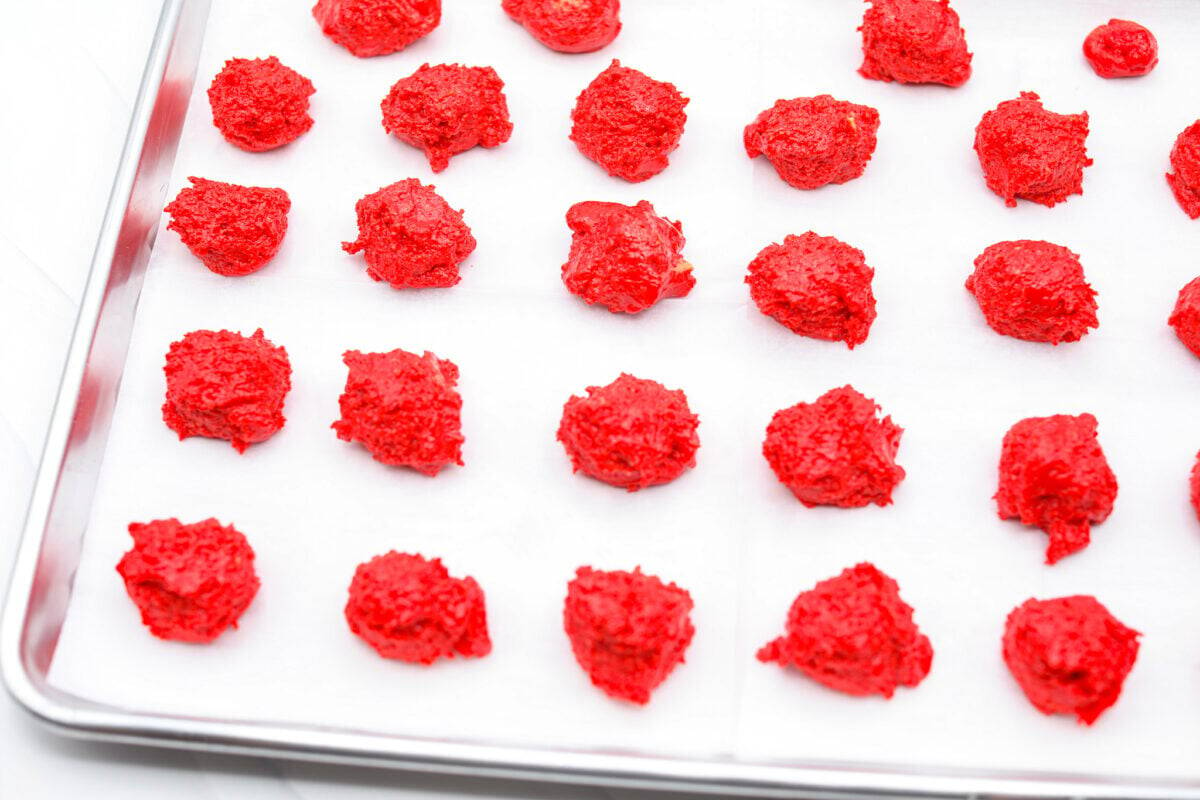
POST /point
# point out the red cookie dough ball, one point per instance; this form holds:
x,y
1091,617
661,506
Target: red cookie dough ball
x,y
403,408
1030,153
854,634
234,230
626,258
568,26
1185,319
224,385
408,608
632,433
628,123
376,27
815,286
410,237
1194,486
914,41
835,451
1185,160
812,141
446,110
1033,291
627,630
1054,475
1069,655
190,582
259,104
1121,49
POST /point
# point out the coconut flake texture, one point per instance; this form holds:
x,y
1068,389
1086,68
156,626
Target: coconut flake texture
x,y
260,104
233,230
814,141
914,41
376,27
575,26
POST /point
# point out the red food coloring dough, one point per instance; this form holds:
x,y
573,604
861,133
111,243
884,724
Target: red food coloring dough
x,y
234,230
1185,319
568,26
376,27
223,385
1053,475
403,408
914,41
1069,655
813,141
815,286
835,451
410,609
1030,153
1194,486
1121,49
628,630
190,582
854,634
632,433
259,104
1185,160
447,109
625,258
1033,291
628,123
410,237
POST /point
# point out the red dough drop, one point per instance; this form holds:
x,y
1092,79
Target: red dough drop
x,y
1185,319
1121,49
190,582
376,27
446,110
410,237
1069,655
632,433
914,41
626,258
403,408
1185,160
1054,475
234,230
835,451
1033,291
815,286
408,608
854,634
628,123
812,141
226,386
1031,153
627,630
259,104
1194,486
568,26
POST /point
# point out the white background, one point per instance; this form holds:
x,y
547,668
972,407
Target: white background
x,y
920,214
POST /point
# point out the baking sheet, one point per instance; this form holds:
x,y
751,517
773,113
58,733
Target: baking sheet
x,y
515,517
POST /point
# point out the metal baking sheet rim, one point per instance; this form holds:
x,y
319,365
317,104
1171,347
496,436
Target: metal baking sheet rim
x,y
41,581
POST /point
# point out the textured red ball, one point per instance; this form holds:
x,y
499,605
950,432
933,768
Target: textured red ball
x,y
914,41
1030,153
410,237
234,230
574,26
632,433
835,451
190,582
259,104
1194,486
1069,655
627,630
376,27
448,109
1121,49
625,258
854,634
814,141
628,123
1034,291
815,286
403,408
223,385
1054,475
409,608
1185,318
1185,161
